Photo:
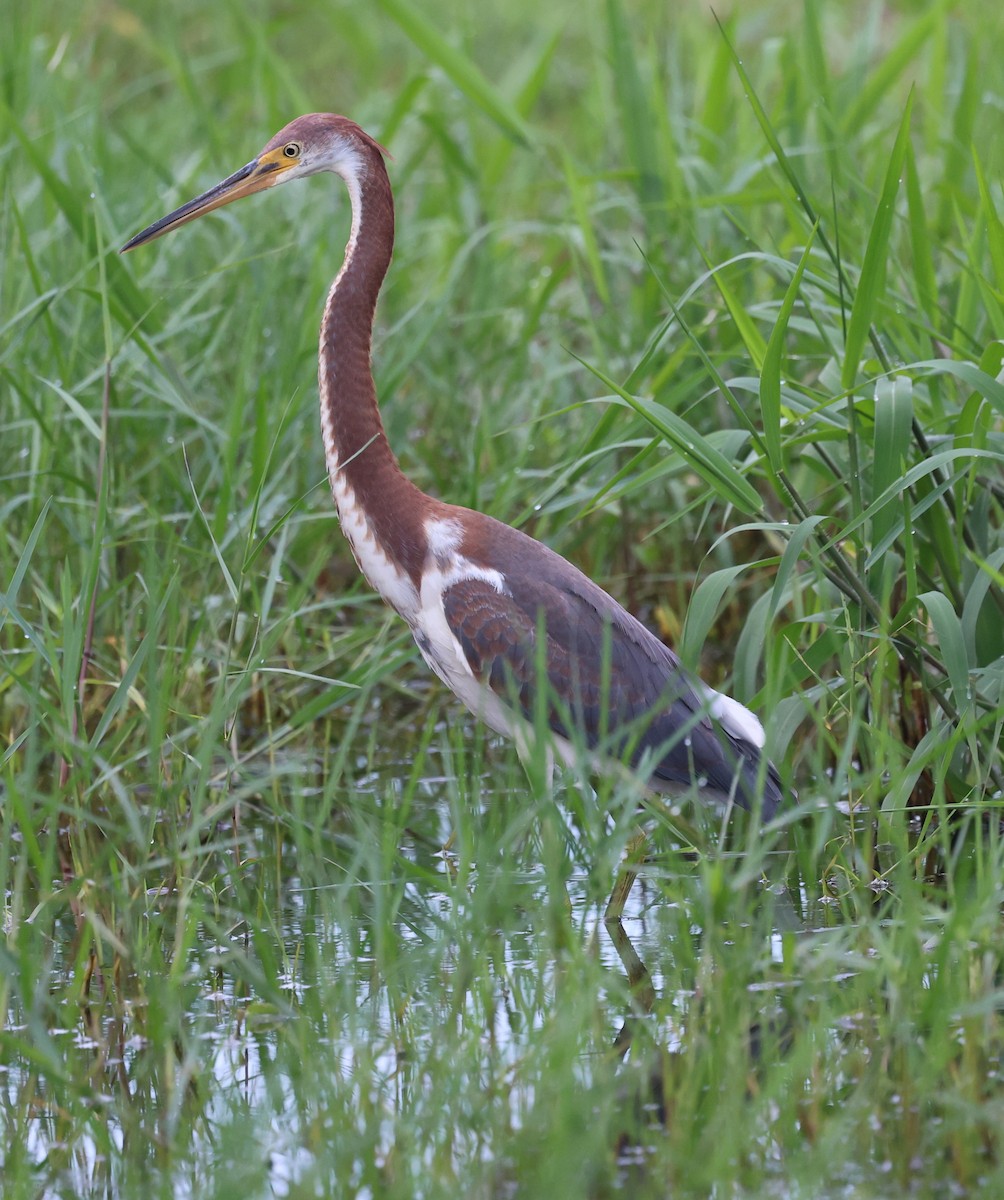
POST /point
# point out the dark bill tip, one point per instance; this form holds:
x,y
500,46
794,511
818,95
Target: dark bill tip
x,y
223,192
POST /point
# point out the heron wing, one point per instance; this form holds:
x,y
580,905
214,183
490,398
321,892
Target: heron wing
x,y
611,685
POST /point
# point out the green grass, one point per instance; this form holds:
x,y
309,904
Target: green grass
x,y
718,312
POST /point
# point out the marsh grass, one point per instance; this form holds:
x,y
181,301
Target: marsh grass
x,y
716,311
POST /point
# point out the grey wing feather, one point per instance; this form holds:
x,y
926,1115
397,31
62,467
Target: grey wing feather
x,y
607,673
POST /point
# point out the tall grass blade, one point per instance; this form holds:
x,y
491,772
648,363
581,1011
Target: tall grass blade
x,y
894,63
636,119
922,258
893,426
752,338
131,673
770,135
580,206
798,536
459,68
126,300
8,599
923,471
770,375
702,611
991,222
871,284
951,641
990,575
709,463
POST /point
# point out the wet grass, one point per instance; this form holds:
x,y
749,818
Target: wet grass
x,y
714,311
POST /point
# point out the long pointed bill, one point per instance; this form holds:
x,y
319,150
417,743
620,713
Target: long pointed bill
x,y
249,179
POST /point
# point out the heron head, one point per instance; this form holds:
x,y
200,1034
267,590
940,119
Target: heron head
x,y
316,142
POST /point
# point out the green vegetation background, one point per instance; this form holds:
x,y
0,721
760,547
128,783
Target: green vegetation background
x,y
715,309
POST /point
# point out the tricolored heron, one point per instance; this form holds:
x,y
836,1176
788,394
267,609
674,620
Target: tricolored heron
x,y
491,609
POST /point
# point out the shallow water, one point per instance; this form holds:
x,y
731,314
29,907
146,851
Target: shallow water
x,y
359,1006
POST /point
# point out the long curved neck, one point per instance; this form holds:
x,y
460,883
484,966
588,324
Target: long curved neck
x,y
374,499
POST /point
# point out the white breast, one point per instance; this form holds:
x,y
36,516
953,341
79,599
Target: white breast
x,y
382,574
440,648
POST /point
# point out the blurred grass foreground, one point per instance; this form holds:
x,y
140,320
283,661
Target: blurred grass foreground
x,y
714,307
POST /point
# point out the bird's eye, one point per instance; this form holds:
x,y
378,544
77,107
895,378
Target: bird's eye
x,y
291,149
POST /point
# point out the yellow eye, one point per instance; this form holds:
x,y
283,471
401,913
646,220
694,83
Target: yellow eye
x,y
291,150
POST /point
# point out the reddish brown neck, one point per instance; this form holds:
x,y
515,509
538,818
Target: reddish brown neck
x,y
393,505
